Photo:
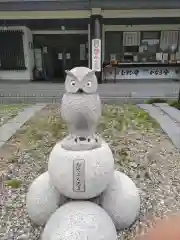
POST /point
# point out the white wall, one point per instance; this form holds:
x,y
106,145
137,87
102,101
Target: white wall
x,y
27,74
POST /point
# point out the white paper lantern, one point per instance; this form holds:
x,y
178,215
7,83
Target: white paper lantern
x,y
81,174
42,199
121,200
80,220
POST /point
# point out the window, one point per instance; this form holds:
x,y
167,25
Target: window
x,y
168,39
149,45
113,45
131,49
11,50
150,35
131,38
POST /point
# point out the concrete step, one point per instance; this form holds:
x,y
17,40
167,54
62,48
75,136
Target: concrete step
x,y
170,111
9,129
167,124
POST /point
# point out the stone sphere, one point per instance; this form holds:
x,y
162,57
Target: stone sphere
x,y
121,200
42,199
81,174
80,220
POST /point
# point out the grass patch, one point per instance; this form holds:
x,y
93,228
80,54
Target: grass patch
x,y
175,104
52,127
156,100
9,111
14,183
115,119
39,135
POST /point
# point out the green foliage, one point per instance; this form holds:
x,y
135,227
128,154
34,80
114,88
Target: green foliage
x,y
14,183
175,104
156,100
9,111
44,130
50,127
117,118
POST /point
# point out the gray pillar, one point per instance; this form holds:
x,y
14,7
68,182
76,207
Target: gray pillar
x,y
96,45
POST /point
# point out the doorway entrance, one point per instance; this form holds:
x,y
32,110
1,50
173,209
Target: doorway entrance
x,y
60,53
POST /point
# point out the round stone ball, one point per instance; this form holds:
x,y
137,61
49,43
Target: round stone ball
x,y
121,200
81,174
42,199
80,220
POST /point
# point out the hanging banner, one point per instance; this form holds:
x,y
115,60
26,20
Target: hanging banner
x,y
45,49
38,58
60,56
82,52
68,56
96,55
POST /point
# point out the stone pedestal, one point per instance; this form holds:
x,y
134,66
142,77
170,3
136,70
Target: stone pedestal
x,y
121,201
80,220
81,167
81,174
43,199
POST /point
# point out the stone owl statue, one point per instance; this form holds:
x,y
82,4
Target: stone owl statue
x,y
81,108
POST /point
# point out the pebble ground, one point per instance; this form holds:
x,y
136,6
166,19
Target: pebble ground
x,y
140,148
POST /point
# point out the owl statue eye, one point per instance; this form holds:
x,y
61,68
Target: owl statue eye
x,y
73,83
89,84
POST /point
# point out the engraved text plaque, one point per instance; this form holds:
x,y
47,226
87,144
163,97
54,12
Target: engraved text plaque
x,y
79,175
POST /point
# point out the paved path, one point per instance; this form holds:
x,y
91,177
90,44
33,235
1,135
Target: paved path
x,y
14,92
168,118
9,129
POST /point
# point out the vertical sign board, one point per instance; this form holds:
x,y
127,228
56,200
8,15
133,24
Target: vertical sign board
x,y
38,58
60,56
79,175
96,55
82,52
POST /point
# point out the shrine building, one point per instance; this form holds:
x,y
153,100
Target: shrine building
x,y
120,40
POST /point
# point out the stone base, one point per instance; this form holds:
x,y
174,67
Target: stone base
x,y
121,200
80,220
42,199
81,174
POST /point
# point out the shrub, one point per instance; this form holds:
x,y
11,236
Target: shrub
x,y
175,104
156,100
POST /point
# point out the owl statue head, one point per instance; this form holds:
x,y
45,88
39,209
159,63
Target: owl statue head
x,y
81,80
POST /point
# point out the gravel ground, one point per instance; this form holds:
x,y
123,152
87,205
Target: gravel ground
x,y
9,111
140,148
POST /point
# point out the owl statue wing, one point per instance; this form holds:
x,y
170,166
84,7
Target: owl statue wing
x,y
66,111
81,113
97,106
71,104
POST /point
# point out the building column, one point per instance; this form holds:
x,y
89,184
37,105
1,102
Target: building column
x,y
96,45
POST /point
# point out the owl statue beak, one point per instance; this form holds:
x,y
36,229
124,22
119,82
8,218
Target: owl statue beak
x,y
80,90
